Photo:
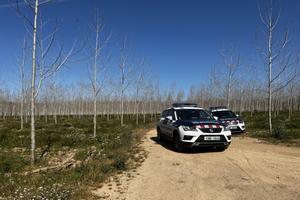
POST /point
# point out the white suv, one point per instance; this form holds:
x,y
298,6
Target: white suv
x,y
228,118
187,125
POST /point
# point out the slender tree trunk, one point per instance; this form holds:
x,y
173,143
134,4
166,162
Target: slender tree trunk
x,y
228,92
150,110
95,85
122,106
22,84
33,77
95,117
270,77
122,95
45,112
22,112
123,81
290,107
137,106
137,113
241,101
27,112
55,116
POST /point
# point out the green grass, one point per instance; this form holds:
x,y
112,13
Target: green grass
x,y
99,157
284,130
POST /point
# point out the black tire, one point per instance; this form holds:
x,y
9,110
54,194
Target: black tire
x,y
159,134
223,148
177,143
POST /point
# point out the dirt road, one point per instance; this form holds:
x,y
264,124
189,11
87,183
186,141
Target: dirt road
x,y
248,169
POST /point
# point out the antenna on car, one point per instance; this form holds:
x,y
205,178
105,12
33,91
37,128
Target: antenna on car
x,y
184,105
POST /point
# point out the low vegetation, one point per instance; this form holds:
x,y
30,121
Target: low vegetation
x,y
285,130
69,159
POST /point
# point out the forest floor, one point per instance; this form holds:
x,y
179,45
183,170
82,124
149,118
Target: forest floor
x,y
249,169
285,131
69,160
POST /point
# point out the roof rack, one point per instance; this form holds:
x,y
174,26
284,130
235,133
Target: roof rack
x,y
217,108
184,105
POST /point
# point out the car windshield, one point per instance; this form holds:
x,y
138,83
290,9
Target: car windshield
x,y
224,114
194,115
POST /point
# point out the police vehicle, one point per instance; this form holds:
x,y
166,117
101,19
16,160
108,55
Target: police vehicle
x,y
187,125
228,118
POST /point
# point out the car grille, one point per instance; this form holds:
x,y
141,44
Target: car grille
x,y
236,130
233,122
211,130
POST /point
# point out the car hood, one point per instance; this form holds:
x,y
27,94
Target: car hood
x,y
230,121
195,123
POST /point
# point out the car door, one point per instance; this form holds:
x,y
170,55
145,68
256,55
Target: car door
x,y
163,122
169,127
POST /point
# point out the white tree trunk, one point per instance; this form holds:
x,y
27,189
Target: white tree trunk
x,y
270,76
22,84
33,77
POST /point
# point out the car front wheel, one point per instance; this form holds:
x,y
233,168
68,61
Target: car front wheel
x,y
177,143
223,148
159,134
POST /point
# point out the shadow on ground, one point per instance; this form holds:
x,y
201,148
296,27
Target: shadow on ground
x,y
169,146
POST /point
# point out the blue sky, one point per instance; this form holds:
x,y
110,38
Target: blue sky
x,y
180,40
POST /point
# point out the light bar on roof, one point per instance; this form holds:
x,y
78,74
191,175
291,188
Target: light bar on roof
x,y
184,105
217,108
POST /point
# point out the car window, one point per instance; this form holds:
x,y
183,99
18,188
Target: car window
x,y
224,114
193,114
164,114
172,114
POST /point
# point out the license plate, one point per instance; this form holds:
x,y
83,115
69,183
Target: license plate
x,y
233,127
209,138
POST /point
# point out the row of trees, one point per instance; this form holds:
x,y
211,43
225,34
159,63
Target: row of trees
x,y
140,99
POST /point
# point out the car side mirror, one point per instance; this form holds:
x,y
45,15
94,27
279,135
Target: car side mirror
x,y
169,118
216,118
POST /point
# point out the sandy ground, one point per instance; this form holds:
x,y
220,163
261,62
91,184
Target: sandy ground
x,y
248,169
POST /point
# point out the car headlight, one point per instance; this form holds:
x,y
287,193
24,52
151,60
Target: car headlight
x,y
189,128
227,128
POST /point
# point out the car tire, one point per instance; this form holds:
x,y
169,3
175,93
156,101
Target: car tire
x,y
221,148
177,143
158,134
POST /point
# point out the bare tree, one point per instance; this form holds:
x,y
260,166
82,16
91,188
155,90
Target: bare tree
x,y
22,81
33,81
100,42
214,86
96,89
125,70
180,95
291,96
192,94
39,60
278,60
139,83
231,59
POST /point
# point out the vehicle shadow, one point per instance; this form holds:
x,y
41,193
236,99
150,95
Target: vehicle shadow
x,y
239,134
169,146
